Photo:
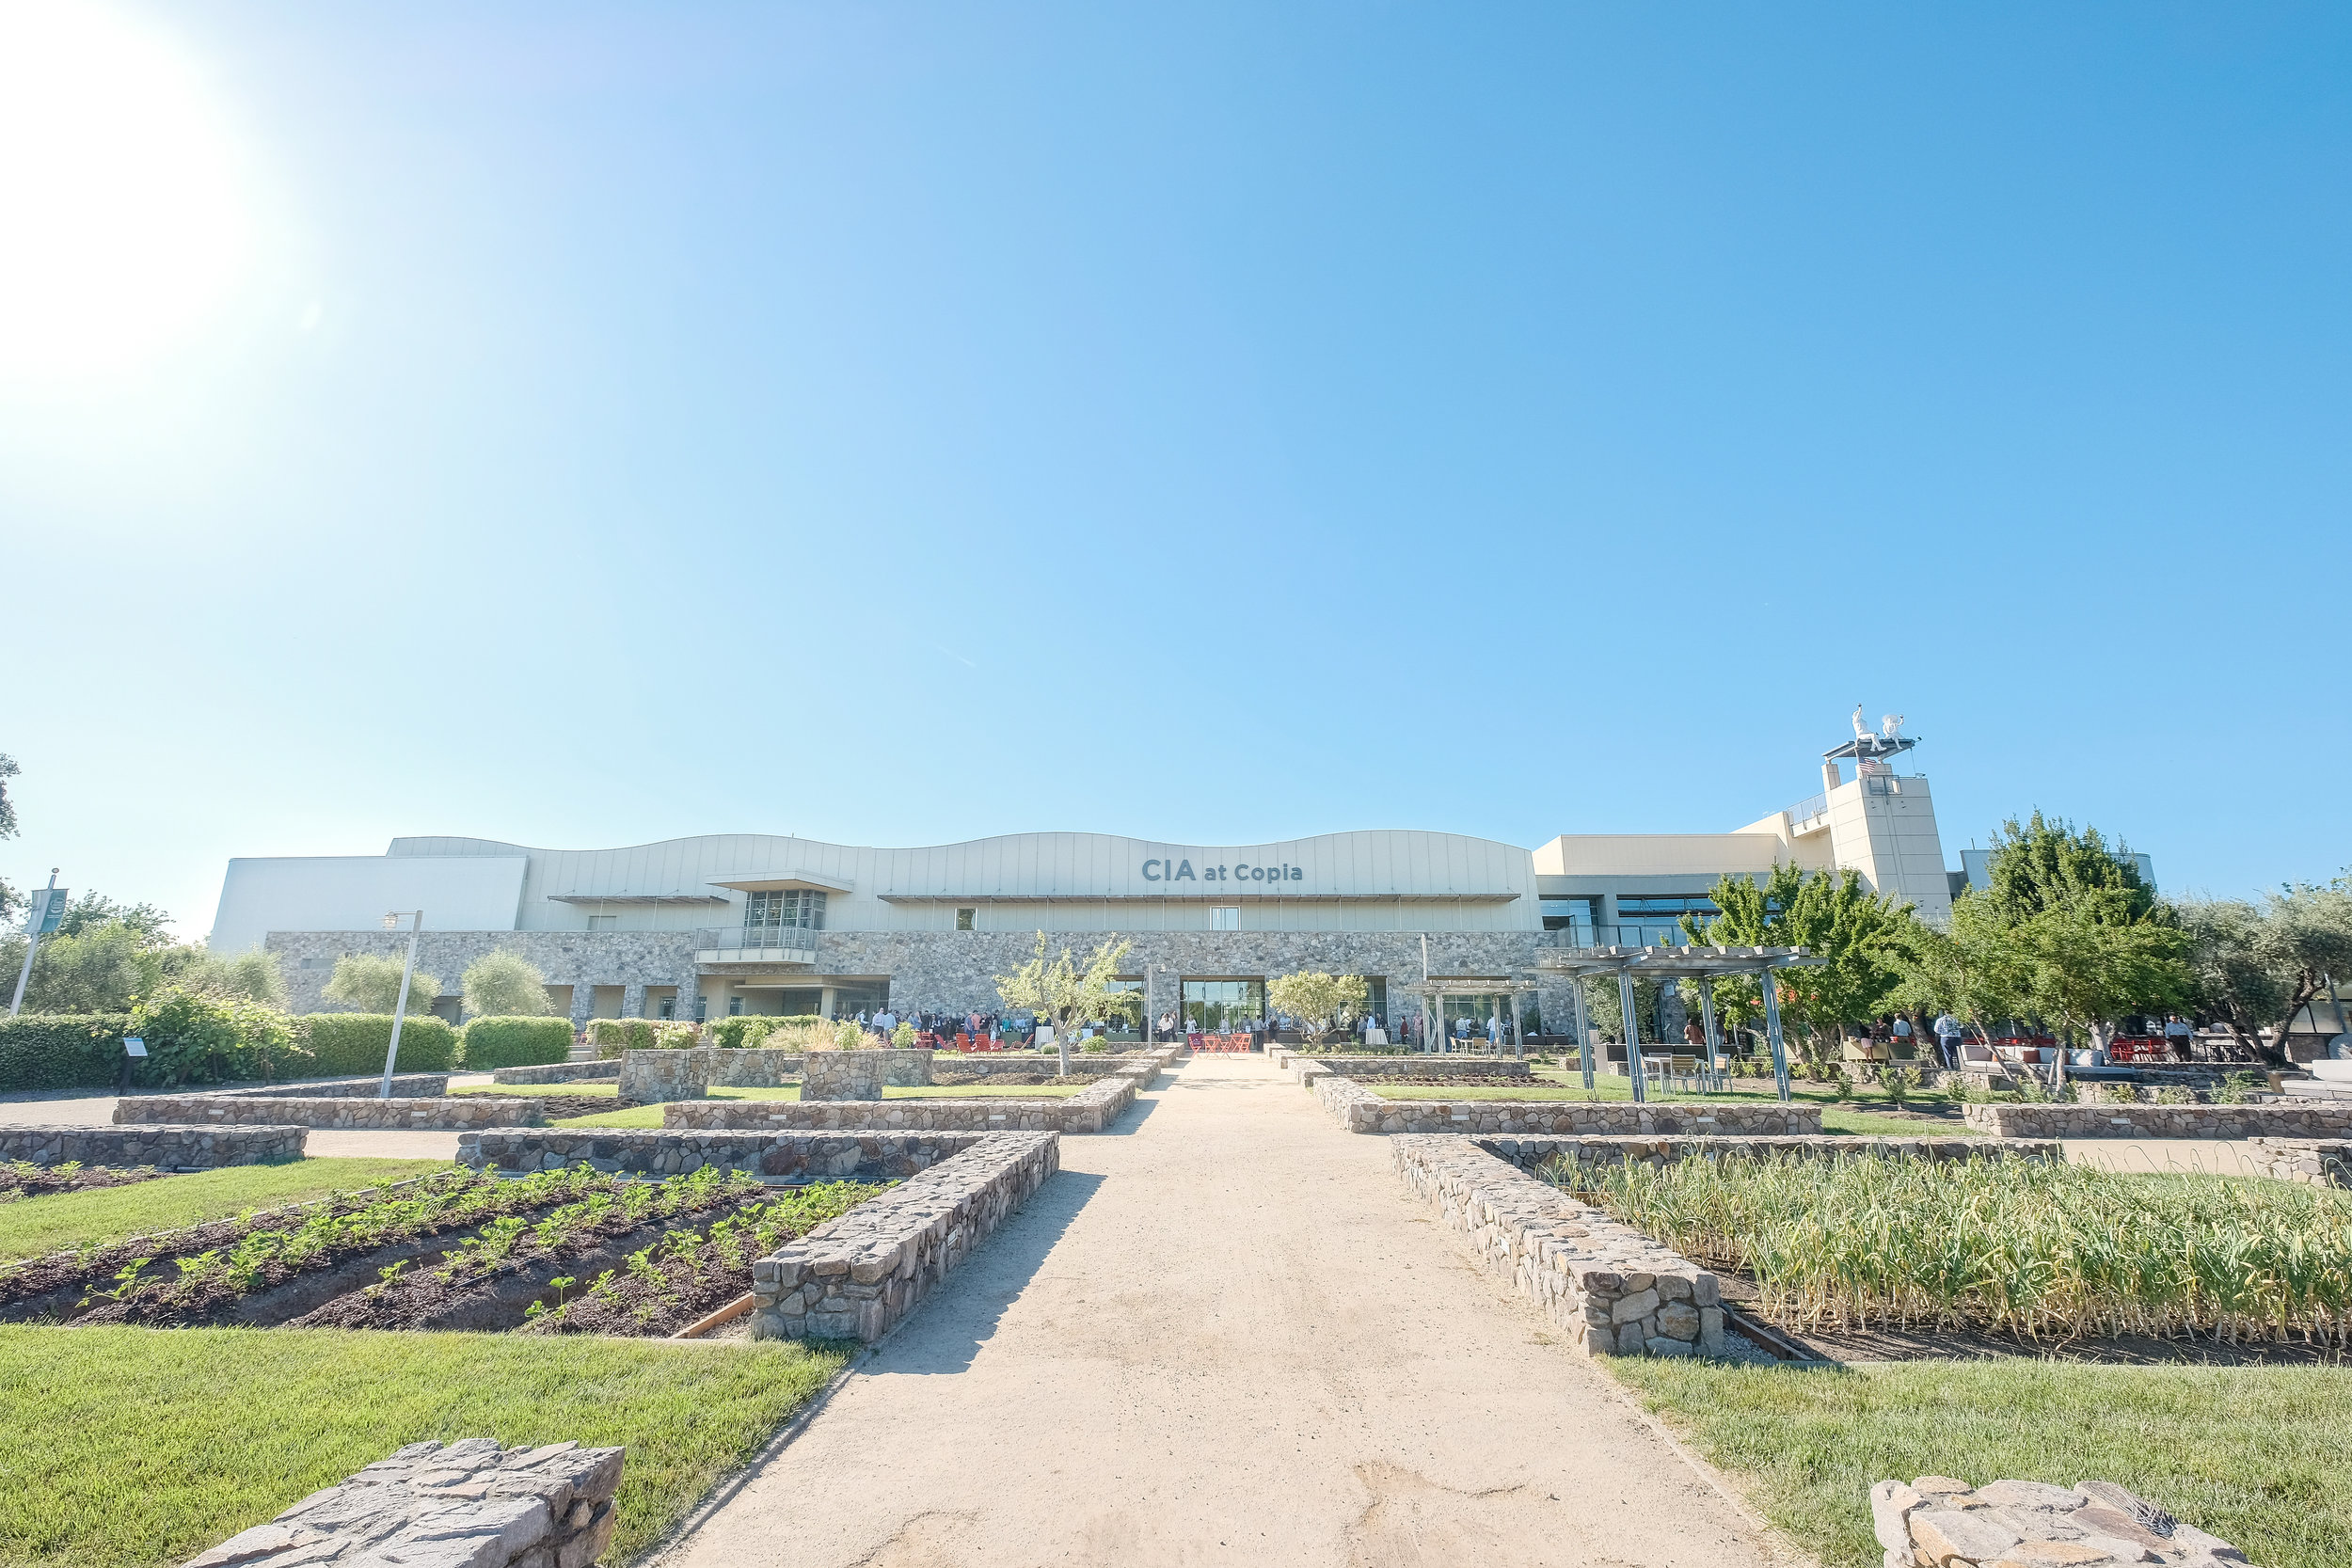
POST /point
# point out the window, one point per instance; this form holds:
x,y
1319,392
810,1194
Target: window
x,y
793,908
1224,917
604,921
1216,1006
967,920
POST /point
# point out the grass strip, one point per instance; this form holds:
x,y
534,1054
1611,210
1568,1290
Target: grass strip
x,y
128,1448
2254,1454
40,1225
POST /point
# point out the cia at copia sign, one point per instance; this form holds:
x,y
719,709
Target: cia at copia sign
x,y
1239,871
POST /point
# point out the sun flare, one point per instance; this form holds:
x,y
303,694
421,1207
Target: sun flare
x,y
124,218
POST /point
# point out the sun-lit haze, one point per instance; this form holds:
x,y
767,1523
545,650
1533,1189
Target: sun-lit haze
x,y
125,215
899,423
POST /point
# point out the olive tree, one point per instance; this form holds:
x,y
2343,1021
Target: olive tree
x,y
1319,1002
1067,995
504,985
2261,964
367,983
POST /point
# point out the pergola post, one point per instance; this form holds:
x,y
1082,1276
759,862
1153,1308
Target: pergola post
x,y
1583,1030
1771,1030
1707,1016
1632,1033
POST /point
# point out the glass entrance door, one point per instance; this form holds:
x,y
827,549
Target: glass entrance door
x,y
1222,1007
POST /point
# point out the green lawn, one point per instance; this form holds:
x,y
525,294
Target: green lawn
x,y
650,1116
131,1448
606,1087
38,1226
2254,1454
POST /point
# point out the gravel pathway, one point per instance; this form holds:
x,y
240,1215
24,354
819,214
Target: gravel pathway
x,y
1223,1334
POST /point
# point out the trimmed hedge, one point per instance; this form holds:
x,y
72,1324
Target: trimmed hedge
x,y
64,1050
495,1043
612,1036
352,1045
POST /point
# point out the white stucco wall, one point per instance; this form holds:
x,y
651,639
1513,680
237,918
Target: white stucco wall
x,y
352,893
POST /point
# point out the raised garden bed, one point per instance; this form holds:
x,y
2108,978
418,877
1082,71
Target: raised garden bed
x,y
513,1271
21,1179
1913,1257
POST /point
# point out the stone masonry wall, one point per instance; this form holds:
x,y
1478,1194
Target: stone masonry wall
x,y
2279,1118
1938,1522
558,1072
2320,1162
859,1275
471,1504
861,1074
1359,1109
1092,1109
754,1068
652,1076
790,1158
457,1113
1413,1065
1611,1289
1602,1150
406,1085
163,1146
939,971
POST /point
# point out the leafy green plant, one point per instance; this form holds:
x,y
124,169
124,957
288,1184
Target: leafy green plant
x,y
352,1045
2042,1249
199,1035
493,1042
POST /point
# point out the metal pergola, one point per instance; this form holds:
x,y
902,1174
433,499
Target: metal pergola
x,y
1434,990
1704,965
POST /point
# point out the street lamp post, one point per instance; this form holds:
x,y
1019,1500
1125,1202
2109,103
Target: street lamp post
x,y
45,915
400,1007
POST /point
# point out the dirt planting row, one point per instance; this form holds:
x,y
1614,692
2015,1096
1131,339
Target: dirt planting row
x,y
23,1178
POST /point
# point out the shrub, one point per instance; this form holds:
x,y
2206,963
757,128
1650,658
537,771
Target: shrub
x,y
1897,1083
2175,1094
612,1036
903,1037
504,985
196,1034
743,1032
352,1045
487,1043
80,1051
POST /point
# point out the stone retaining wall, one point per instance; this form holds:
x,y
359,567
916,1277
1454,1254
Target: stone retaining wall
x,y
1938,1522
163,1146
652,1076
2320,1162
451,1114
470,1504
1092,1109
1611,1289
1414,1065
1359,1109
1593,1152
406,1085
557,1072
754,1068
781,1157
2280,1118
859,1275
862,1074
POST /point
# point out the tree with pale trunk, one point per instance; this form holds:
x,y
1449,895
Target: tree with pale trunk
x,y
1319,1002
1066,994
367,983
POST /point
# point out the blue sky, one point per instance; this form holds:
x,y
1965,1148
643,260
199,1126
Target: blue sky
x,y
897,424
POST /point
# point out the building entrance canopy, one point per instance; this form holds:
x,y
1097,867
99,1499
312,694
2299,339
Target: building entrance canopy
x,y
1704,965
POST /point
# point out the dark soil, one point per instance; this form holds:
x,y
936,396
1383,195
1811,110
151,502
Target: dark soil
x,y
472,1296
556,1107
193,1286
19,1179
1881,1343
1462,1080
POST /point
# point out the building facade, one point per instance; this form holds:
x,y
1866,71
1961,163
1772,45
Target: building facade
x,y
724,924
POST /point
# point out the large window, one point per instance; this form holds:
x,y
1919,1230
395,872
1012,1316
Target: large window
x,y
1221,1007
796,907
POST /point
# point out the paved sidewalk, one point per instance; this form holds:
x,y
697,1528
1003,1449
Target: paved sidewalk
x,y
1223,1334
79,1108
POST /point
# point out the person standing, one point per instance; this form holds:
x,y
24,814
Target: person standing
x,y
1902,1044
1947,1039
